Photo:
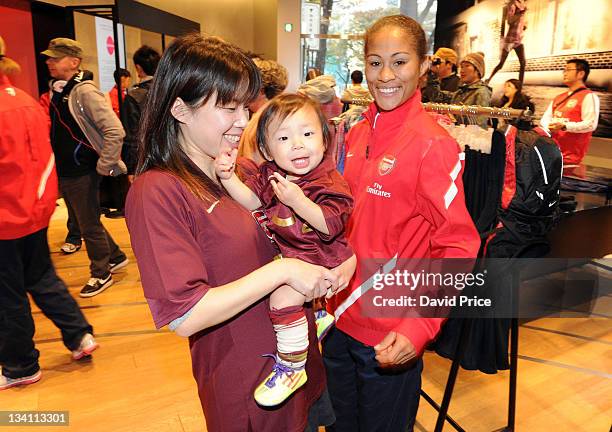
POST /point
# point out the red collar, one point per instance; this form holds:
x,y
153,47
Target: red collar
x,y
4,81
397,116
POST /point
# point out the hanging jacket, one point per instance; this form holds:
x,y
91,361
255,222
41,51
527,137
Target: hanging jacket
x,y
404,172
28,189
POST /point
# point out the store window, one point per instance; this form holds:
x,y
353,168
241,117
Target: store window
x,y
332,31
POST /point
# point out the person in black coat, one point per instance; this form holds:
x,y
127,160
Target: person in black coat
x,y
145,60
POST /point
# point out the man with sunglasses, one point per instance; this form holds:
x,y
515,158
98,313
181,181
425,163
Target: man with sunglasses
x,y
572,116
442,75
444,65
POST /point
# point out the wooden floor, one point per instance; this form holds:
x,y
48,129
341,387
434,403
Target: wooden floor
x,y
140,378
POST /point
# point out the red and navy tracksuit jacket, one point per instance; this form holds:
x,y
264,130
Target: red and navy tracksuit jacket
x,y
404,171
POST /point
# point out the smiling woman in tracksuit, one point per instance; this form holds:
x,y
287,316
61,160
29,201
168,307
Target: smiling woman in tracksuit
x,y
405,174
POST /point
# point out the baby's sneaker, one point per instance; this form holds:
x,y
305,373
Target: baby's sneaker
x,y
324,322
280,384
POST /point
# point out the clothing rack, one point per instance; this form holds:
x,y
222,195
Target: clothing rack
x,y
442,409
474,110
467,110
357,101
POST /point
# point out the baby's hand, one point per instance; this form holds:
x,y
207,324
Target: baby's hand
x,y
225,164
287,192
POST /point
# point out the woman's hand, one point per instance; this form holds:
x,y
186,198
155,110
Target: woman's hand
x,y
345,273
310,280
225,163
394,350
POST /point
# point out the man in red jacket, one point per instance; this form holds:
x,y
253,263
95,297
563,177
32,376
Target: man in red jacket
x,y
572,116
28,193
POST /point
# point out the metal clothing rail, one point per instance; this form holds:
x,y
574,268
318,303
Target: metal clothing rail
x,y
357,101
466,110
474,110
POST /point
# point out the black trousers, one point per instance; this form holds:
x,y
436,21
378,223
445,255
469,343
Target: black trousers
x,y
74,232
26,267
113,191
365,397
82,197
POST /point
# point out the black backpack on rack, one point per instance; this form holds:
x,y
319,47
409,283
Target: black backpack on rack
x,y
534,208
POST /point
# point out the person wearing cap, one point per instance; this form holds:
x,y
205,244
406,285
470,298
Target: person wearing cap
x,y
473,90
86,137
442,75
321,89
444,65
28,193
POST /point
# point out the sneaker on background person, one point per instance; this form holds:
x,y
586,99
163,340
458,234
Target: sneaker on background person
x,y
115,214
7,383
116,266
70,248
88,345
95,286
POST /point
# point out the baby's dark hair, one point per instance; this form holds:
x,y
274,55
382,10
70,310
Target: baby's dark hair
x,y
281,107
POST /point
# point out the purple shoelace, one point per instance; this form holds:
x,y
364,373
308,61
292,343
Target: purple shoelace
x,y
278,370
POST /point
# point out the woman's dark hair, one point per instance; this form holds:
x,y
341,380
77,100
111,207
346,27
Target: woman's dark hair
x,y
412,28
519,101
147,58
120,73
281,107
194,68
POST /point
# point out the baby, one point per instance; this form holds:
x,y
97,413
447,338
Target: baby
x,y
307,204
